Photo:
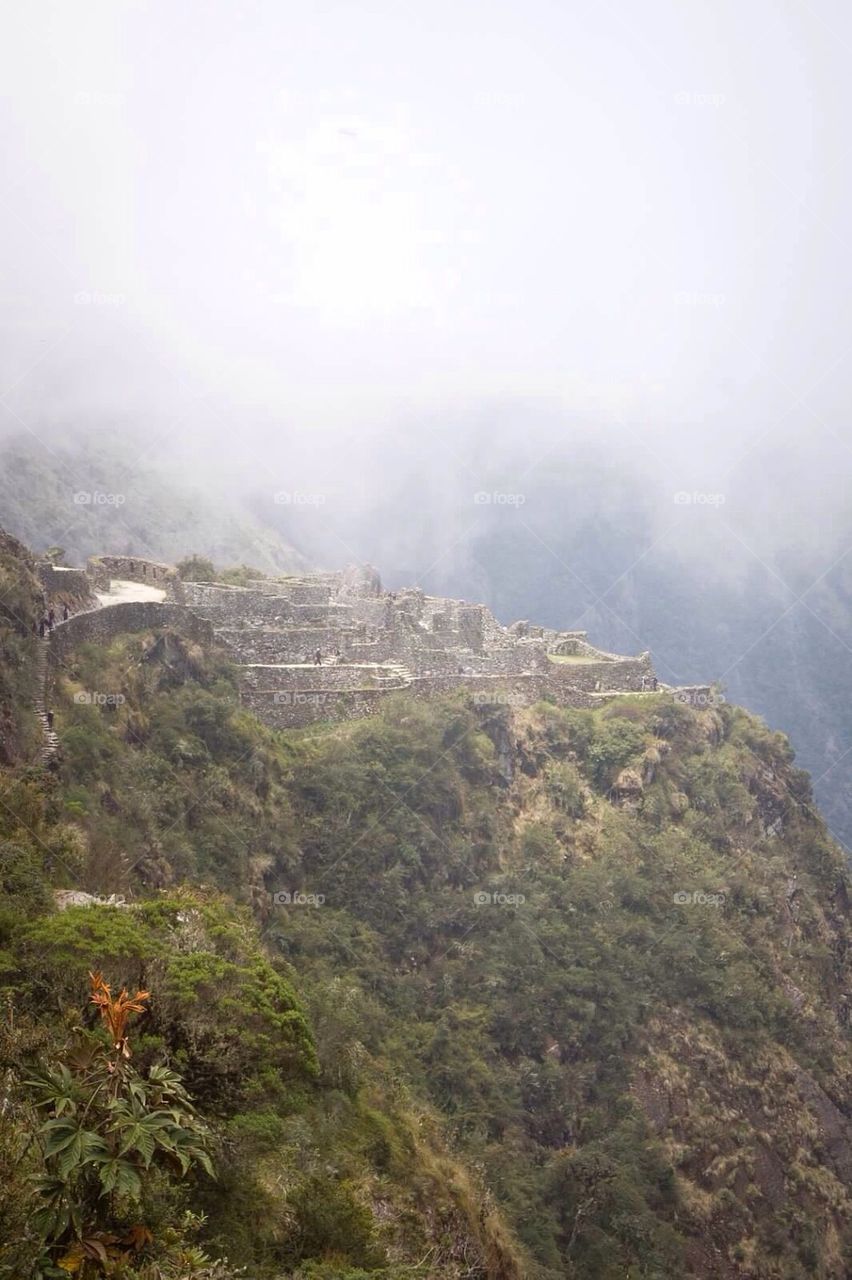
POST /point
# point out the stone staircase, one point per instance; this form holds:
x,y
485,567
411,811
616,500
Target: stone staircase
x,y
391,675
50,743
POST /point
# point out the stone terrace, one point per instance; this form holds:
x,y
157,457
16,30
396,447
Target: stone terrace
x,y
371,642
332,646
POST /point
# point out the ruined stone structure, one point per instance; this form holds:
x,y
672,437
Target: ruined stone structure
x,y
101,570
372,643
335,645
73,587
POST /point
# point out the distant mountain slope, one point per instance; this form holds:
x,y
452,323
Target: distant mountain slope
x,y
101,497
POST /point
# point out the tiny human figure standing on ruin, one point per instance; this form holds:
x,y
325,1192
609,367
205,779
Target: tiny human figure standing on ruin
x,y
50,719
65,611
654,683
317,659
41,627
51,619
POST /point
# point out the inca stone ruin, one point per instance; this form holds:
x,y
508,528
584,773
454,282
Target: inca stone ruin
x,y
334,645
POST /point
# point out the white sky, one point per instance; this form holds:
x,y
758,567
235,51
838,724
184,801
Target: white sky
x,y
275,222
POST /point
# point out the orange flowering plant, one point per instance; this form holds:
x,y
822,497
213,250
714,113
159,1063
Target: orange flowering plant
x,y
109,1137
116,1009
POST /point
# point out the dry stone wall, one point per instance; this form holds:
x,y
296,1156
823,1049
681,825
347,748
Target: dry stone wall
x,y
238,606
274,679
102,625
65,586
621,675
295,644
101,570
295,709
299,707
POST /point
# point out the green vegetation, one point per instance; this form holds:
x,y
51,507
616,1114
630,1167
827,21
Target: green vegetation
x,y
439,1017
196,569
109,1143
199,569
20,610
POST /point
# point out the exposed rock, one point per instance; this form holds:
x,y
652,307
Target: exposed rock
x,y
628,788
65,898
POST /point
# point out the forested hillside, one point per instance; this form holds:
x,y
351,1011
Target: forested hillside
x,y
454,992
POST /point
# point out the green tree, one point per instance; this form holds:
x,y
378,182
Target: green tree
x,y
196,569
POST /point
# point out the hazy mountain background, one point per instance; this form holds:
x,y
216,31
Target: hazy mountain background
x,y
579,534
749,582
101,496
315,278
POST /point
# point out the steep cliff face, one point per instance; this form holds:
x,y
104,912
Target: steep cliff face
x,y
710,923
20,607
572,986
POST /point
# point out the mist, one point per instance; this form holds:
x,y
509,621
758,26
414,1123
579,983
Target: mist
x,y
542,305
257,235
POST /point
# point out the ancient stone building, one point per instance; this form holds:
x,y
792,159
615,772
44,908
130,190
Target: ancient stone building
x,y
334,645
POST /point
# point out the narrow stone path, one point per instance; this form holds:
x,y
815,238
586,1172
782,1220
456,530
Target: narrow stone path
x,y
120,591
50,743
